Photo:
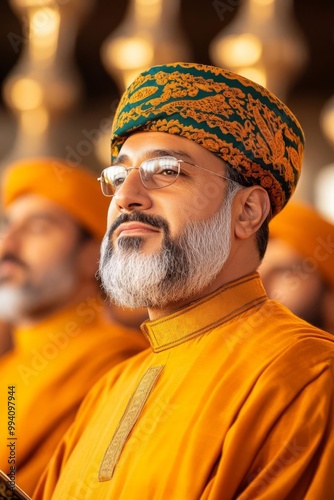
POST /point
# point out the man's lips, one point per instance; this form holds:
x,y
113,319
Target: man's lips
x,y
131,228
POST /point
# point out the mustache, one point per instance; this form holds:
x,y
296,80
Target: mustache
x,y
155,221
12,258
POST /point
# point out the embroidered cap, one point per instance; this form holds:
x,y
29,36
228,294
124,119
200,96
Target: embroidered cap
x,y
236,119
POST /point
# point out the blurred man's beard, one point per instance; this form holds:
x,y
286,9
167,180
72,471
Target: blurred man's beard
x,y
25,300
11,303
181,269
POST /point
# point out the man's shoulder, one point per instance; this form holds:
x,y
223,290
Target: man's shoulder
x,y
279,319
271,337
274,321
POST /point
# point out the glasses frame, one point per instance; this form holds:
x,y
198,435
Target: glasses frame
x,y
129,169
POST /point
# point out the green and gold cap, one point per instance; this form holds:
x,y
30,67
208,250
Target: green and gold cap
x,y
234,118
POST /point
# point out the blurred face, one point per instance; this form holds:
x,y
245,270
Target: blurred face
x,y
164,245
287,279
38,257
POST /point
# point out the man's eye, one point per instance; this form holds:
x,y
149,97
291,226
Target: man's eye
x,y
166,168
115,176
118,181
168,172
37,227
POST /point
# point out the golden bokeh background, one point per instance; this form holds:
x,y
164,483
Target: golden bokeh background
x,y
64,64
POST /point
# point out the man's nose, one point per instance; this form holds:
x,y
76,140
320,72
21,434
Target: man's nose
x,y
9,240
132,195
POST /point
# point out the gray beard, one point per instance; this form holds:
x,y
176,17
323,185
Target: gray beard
x,y
181,269
11,303
22,301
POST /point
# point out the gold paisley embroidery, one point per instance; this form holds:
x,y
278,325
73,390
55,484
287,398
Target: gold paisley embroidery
x,y
226,113
143,93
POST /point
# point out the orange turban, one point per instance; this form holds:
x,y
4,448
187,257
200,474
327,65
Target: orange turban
x,y
301,227
74,188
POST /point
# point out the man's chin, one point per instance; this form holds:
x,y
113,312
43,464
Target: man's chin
x,y
127,243
11,302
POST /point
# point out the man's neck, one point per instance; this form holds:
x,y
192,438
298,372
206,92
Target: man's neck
x,y
240,263
86,294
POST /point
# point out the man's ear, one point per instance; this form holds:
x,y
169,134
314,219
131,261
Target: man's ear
x,y
252,208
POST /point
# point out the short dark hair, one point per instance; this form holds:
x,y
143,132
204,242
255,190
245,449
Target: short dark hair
x,y
262,235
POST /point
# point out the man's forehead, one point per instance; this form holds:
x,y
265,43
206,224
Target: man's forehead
x,y
153,152
34,205
144,145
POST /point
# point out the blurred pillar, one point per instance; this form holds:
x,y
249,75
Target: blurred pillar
x,y
262,43
44,83
324,184
150,34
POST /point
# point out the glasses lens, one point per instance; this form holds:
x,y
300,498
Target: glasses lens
x,y
111,179
159,172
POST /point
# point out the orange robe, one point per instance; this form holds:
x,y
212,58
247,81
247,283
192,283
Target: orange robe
x,y
235,400
52,367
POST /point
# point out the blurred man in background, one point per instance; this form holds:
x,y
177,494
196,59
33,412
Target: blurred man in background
x,y
298,267
53,221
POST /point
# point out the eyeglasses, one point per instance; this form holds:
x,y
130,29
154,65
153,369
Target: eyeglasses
x,y
155,173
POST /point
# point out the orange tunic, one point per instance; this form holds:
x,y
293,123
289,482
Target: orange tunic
x,y
51,368
235,400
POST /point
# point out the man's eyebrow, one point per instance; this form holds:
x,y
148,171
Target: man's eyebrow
x,y
6,221
154,153
43,216
38,216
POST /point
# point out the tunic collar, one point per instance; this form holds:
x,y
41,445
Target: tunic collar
x,y
205,314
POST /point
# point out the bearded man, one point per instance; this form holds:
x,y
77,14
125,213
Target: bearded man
x,y
52,227
235,397
298,268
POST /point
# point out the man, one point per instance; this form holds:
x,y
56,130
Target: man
x,y
53,223
298,268
235,398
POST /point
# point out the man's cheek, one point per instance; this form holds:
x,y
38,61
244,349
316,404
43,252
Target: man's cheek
x,y
111,216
